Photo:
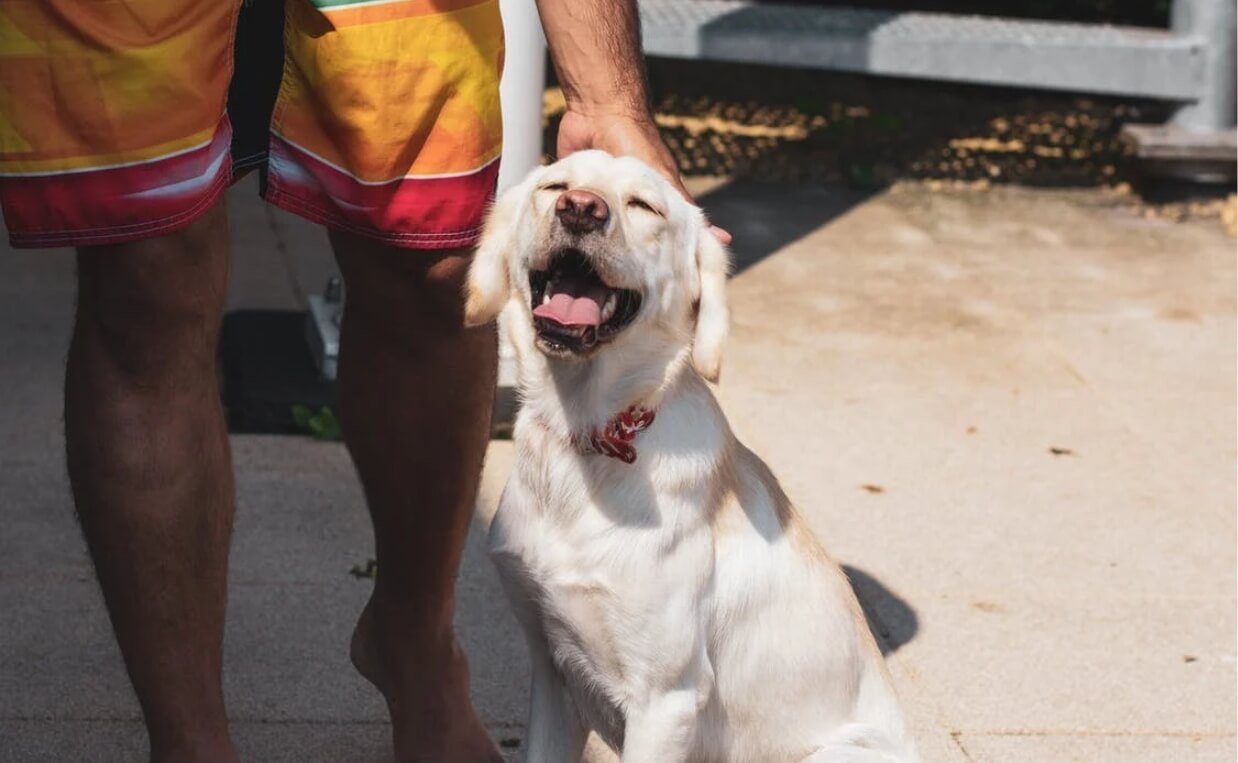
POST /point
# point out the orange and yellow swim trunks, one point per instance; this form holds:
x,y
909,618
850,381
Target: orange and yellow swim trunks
x,y
125,119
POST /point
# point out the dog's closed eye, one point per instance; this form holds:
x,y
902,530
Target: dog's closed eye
x,y
553,187
642,204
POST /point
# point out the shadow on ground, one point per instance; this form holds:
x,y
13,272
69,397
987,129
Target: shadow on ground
x,y
764,217
891,619
797,125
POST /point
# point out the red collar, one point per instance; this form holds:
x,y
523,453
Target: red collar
x,y
616,437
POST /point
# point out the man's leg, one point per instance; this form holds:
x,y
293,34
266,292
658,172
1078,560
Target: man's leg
x,y
416,391
149,465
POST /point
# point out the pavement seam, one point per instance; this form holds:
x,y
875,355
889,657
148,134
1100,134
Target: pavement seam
x,y
1099,733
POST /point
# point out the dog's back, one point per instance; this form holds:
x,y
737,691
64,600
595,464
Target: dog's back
x,y
794,661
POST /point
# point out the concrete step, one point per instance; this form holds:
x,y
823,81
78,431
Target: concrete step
x,y
1207,156
997,51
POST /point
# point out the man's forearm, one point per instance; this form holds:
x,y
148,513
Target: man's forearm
x,y
596,49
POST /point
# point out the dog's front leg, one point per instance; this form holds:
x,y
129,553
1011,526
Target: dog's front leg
x,y
662,726
555,734
662,730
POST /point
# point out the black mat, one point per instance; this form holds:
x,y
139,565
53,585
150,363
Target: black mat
x,y
267,371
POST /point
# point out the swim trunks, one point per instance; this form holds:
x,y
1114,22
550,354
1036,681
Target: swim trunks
x,y
126,119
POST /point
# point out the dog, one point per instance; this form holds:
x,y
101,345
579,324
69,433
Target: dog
x,y
673,601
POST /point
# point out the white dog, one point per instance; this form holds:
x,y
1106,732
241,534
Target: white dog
x,y
673,600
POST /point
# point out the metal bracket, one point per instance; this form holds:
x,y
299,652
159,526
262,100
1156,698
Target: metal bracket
x,y
322,327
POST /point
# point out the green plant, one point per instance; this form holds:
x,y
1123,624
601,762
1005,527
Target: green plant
x,y
322,425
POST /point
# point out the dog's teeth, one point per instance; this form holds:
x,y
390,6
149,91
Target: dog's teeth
x,y
608,307
546,297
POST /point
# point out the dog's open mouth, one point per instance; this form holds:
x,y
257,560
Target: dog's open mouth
x,y
574,309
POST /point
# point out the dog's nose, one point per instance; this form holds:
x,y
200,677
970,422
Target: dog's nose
x,y
581,211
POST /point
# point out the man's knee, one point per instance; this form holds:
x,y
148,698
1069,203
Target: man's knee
x,y
154,306
441,289
405,290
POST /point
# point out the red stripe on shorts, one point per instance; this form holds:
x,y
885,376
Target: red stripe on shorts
x,y
445,211
116,204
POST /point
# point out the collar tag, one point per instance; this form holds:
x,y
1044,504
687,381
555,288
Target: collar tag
x,y
616,437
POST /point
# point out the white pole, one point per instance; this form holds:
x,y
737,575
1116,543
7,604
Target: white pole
x,y
524,79
1211,22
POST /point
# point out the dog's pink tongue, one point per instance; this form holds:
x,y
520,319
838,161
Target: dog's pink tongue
x,y
574,304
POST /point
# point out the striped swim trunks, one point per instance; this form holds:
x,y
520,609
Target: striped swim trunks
x,y
126,119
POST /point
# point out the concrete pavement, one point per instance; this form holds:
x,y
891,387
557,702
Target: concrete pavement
x,y
1010,413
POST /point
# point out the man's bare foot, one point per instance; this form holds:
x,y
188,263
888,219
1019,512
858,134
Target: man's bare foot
x,y
426,686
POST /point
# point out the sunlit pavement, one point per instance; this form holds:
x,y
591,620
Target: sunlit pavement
x,y
1010,414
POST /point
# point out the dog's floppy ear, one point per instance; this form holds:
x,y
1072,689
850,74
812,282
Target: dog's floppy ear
x,y
712,264
488,286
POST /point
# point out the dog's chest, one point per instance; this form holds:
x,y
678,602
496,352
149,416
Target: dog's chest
x,y
576,603
598,549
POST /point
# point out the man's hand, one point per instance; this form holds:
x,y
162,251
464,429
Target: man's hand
x,y
595,45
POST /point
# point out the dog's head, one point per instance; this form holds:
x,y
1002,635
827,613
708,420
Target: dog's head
x,y
599,251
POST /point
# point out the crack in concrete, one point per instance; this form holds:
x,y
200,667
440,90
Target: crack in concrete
x,y
957,738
